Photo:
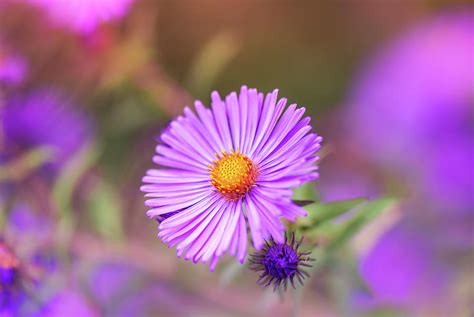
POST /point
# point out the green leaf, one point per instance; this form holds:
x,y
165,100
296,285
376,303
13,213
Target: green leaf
x,y
70,176
364,214
104,211
306,191
318,213
385,312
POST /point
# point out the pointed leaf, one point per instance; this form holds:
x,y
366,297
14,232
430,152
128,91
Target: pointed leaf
x,y
319,213
363,216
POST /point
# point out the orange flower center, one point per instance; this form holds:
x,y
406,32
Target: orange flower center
x,y
233,174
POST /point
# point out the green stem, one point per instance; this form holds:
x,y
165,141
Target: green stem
x,y
63,191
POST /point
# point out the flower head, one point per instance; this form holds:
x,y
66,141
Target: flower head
x,y
403,268
225,166
280,263
83,16
44,117
406,104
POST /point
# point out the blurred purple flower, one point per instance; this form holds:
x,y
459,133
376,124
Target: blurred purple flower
x,y
11,293
12,69
67,303
412,110
29,231
9,265
84,16
122,290
403,269
246,150
45,118
22,220
12,66
109,280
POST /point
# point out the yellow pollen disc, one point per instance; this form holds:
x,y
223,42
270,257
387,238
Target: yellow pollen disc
x,y
233,174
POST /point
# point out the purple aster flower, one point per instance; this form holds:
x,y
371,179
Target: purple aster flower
x,y
412,110
227,165
403,269
280,263
84,16
44,118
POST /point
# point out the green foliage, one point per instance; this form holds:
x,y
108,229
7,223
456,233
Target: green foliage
x,y
363,215
212,61
63,191
319,213
305,192
25,163
356,213
72,172
385,312
104,211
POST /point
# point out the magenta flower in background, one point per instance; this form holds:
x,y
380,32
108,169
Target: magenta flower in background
x,y
411,111
84,16
21,281
12,69
123,290
227,165
68,303
45,118
403,269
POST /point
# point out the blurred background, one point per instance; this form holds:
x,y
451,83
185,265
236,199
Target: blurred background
x,y
86,86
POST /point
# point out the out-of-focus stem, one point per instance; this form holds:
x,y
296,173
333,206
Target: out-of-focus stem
x,y
168,95
63,193
19,168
